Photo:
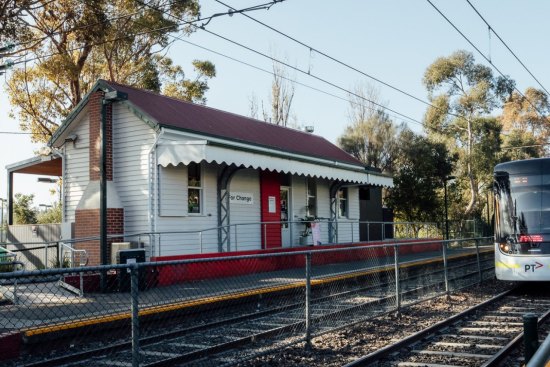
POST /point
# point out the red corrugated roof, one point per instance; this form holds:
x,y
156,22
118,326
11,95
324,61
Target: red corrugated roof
x,y
174,113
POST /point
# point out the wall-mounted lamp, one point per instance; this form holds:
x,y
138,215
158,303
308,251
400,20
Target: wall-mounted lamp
x,y
71,138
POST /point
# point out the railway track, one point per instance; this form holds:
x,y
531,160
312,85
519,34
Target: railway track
x,y
214,339
483,335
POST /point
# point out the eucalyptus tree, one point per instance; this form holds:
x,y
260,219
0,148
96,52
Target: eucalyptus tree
x,y
526,121
64,46
462,94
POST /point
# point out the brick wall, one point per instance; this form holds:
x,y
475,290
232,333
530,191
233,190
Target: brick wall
x,y
87,220
94,107
87,225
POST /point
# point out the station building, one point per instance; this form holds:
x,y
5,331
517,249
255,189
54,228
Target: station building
x,y
183,178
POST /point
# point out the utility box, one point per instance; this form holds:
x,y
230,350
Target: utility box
x,y
116,247
130,256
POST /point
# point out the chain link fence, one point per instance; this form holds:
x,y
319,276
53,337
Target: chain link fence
x,y
235,306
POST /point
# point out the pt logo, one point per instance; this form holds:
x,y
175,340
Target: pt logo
x,y
533,267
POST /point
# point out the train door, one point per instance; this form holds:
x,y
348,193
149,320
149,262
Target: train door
x,y
285,215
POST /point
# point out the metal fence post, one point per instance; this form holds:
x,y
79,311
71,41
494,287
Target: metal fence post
x,y
445,270
397,282
308,300
368,232
530,335
200,240
478,262
236,238
15,296
81,293
265,236
134,294
46,256
160,241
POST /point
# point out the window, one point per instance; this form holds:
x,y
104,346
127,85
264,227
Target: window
x,y
194,188
342,199
311,199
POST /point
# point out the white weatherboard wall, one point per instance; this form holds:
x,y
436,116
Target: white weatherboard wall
x,y
299,195
298,189
348,228
172,183
346,231
323,207
248,236
132,140
76,175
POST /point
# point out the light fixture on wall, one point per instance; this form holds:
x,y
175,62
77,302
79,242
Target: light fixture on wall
x,y
71,139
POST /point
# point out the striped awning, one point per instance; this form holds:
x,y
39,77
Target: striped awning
x,y
185,152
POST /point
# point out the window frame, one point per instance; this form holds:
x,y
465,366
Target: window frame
x,y
342,199
198,188
311,184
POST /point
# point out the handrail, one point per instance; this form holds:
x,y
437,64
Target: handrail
x,y
542,355
5,253
82,255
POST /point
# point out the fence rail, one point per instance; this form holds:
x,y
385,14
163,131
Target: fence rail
x,y
240,237
140,295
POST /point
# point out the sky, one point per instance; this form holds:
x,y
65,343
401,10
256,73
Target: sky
x,y
391,40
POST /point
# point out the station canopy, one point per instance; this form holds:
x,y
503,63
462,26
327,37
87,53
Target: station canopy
x,y
185,152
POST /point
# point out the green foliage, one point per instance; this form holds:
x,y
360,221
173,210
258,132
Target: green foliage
x,y
463,93
526,120
422,166
23,213
51,215
77,42
373,141
521,145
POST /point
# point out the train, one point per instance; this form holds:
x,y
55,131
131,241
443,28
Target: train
x,y
522,220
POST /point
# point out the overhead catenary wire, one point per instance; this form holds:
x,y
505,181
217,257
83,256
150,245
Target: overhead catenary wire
x,y
128,15
492,30
311,48
483,55
190,22
287,78
306,72
347,65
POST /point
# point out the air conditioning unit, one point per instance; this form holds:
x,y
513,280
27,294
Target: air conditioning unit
x,y
116,247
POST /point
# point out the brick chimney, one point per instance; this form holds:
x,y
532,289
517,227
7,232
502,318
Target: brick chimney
x,y
87,217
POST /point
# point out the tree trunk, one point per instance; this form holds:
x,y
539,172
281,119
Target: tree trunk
x,y
471,178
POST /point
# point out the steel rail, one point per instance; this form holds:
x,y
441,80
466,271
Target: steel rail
x,y
115,347
388,300
386,351
513,344
151,340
